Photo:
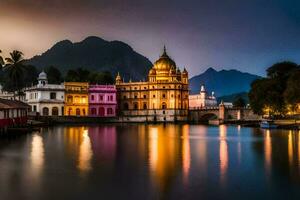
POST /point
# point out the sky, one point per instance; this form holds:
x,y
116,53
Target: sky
x,y
248,35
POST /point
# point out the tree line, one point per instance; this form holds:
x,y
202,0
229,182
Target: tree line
x,y
15,74
279,93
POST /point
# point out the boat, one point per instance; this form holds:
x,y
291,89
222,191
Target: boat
x,y
268,124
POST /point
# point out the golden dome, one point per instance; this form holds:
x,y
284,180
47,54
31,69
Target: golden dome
x,y
152,71
164,63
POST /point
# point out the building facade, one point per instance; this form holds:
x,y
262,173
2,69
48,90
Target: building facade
x,y
202,100
102,101
12,113
46,99
164,97
76,99
11,95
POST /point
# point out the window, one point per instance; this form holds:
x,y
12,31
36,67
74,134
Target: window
x,y
145,96
55,111
135,105
109,111
124,97
70,99
135,97
145,106
45,111
125,106
101,97
34,108
172,96
164,87
52,95
163,96
145,88
111,97
164,106
153,96
92,97
93,111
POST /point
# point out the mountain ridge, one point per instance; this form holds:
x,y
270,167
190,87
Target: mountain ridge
x,y
223,82
94,53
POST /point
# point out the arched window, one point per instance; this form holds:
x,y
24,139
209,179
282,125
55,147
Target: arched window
x,y
93,111
78,111
70,111
109,111
135,105
83,112
77,99
164,106
55,111
145,106
101,111
70,99
45,111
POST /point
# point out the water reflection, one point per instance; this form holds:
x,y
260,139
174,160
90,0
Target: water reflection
x,y
186,153
223,153
85,152
163,161
268,151
37,155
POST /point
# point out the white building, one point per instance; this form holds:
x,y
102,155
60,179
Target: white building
x,y
10,95
46,99
202,100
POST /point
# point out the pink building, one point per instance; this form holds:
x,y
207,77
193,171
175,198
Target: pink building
x,y
102,101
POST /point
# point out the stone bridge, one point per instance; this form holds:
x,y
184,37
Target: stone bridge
x,y
222,114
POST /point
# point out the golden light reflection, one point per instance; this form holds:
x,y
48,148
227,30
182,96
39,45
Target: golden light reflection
x,y
153,147
223,152
37,154
164,155
290,147
268,151
186,153
85,152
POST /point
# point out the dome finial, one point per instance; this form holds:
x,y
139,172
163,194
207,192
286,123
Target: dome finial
x,y
164,51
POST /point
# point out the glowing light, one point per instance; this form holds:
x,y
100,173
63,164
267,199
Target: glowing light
x,y
153,147
290,147
223,153
268,151
37,153
186,154
85,152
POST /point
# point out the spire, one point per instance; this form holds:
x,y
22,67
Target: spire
x,y
164,51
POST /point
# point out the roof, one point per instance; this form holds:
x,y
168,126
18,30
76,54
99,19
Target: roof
x,y
8,104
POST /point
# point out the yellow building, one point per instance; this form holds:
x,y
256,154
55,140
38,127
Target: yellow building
x,y
76,99
164,97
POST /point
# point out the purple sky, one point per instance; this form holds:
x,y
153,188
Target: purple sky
x,y
248,35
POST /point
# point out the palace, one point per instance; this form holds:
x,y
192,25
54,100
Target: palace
x,y
46,99
202,100
76,98
164,97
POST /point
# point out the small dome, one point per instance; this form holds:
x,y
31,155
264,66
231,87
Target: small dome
x,y
42,75
185,71
152,71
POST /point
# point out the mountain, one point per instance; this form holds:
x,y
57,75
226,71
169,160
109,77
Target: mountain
x,y
94,53
224,82
233,97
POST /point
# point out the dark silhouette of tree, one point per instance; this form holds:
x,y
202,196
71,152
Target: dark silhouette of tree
x,y
78,75
292,92
269,92
53,75
239,102
15,69
103,78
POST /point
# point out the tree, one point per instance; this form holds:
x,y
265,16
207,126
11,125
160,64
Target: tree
x,y
101,78
53,75
282,69
78,75
15,69
292,92
239,102
266,93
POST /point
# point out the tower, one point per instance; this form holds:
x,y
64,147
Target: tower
x,y
42,79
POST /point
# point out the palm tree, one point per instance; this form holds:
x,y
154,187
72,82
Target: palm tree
x,y
15,68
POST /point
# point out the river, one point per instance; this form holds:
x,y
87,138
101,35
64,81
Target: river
x,y
138,161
